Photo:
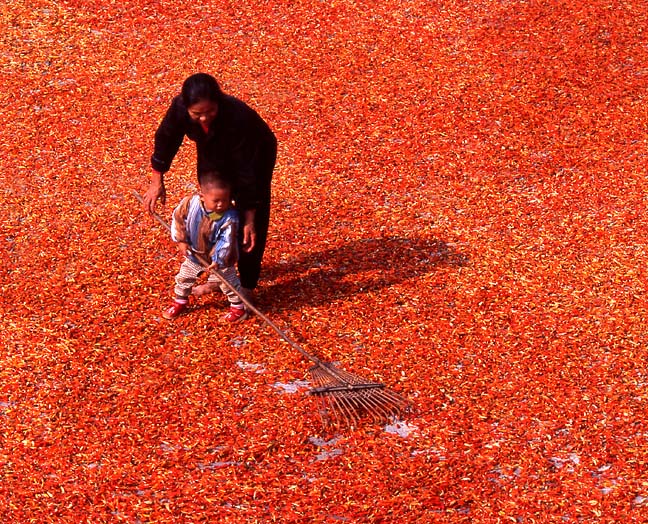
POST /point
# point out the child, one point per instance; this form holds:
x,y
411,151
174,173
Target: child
x,y
206,224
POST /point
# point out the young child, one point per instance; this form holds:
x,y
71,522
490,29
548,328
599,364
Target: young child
x,y
205,224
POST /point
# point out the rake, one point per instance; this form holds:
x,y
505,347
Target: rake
x,y
346,399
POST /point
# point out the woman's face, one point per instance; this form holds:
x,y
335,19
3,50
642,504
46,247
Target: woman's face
x,y
203,112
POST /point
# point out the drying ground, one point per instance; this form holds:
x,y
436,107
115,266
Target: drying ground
x,y
459,210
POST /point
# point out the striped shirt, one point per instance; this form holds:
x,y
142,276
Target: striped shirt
x,y
209,234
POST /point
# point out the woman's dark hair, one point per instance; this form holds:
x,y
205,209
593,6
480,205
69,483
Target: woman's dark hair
x,y
199,87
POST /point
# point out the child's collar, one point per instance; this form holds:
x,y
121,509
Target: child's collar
x,y
212,215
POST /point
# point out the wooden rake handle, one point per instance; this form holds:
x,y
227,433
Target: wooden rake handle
x,y
205,263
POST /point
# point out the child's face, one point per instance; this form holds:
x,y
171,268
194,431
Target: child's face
x,y
216,199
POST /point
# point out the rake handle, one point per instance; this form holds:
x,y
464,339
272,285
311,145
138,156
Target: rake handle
x,y
205,263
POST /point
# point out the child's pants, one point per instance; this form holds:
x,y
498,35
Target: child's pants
x,y
189,273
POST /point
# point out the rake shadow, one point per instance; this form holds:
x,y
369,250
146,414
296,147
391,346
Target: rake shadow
x,y
355,268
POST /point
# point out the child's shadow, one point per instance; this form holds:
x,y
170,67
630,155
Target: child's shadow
x,y
357,267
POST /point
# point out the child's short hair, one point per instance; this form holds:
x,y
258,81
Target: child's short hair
x,y
213,178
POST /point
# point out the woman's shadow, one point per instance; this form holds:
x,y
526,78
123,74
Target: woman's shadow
x,y
358,267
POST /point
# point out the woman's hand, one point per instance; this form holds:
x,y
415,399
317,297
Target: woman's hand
x,y
183,248
249,231
156,191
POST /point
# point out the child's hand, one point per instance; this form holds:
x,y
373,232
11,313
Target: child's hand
x,y
183,247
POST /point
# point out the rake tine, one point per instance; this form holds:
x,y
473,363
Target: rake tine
x,y
326,412
367,405
341,410
329,402
339,413
379,410
350,377
343,416
391,399
360,404
376,409
368,410
389,404
351,410
352,413
396,404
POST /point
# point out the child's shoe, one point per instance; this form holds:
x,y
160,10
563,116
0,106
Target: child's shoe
x,y
236,314
175,309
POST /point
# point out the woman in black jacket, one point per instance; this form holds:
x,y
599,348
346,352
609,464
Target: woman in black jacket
x,y
230,138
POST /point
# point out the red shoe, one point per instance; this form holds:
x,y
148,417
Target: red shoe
x,y
236,314
175,309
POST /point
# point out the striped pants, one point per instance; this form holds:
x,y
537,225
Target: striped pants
x,y
189,273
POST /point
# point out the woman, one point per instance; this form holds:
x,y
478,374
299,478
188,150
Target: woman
x,y
230,138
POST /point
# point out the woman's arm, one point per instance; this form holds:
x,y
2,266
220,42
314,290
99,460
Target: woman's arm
x,y
168,139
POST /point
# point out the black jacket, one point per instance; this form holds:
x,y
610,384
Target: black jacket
x,y
240,145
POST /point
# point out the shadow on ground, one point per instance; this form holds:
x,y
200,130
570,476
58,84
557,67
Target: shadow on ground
x,y
355,268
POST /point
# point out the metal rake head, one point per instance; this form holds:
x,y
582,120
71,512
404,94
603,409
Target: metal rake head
x,y
348,399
